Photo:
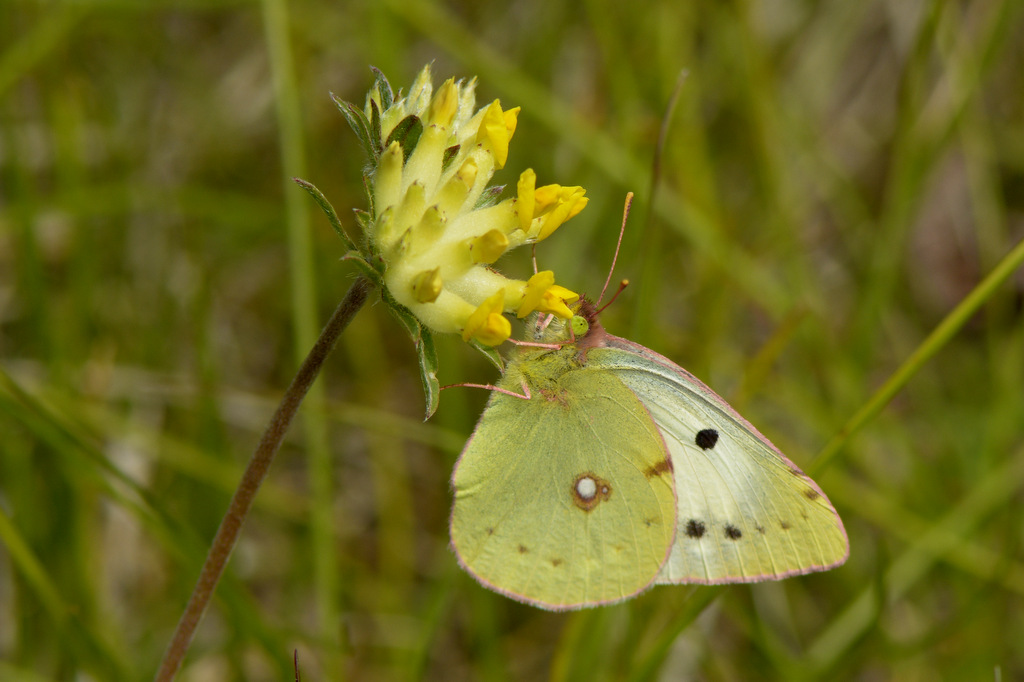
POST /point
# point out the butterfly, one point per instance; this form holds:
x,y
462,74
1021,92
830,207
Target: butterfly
x,y
600,468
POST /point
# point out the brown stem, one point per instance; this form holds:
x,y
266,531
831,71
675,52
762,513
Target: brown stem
x,y
259,465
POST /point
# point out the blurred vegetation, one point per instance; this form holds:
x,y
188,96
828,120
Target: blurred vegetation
x,y
835,179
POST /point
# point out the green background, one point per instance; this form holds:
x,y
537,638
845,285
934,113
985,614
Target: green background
x,y
835,178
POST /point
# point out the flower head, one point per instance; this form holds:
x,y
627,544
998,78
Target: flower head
x,y
434,226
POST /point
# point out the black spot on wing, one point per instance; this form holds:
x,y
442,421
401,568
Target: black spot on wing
x,y
812,494
732,532
706,439
695,529
523,549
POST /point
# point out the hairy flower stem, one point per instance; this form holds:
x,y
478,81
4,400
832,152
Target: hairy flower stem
x,y
259,465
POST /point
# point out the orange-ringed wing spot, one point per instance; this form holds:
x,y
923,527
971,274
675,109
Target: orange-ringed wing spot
x,y
732,532
589,490
695,529
706,439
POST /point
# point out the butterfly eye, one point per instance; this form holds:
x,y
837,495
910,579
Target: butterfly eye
x,y
580,326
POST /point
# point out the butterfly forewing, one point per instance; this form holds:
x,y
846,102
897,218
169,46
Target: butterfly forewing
x,y
566,499
745,512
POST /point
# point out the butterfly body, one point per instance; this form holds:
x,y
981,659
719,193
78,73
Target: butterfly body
x,y
622,470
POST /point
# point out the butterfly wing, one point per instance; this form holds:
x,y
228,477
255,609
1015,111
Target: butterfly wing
x,y
564,500
745,512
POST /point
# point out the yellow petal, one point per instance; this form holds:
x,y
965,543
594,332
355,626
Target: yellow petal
x,y
548,195
488,247
526,201
444,104
493,134
534,290
468,172
387,181
495,330
426,286
579,202
511,119
487,324
554,301
563,294
564,208
543,295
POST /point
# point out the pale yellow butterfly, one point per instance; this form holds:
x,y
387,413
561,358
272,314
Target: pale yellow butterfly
x,y
617,470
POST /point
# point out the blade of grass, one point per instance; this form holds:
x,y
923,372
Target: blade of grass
x,y
100,657
928,348
277,27
989,495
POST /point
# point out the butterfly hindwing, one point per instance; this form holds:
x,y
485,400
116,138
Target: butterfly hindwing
x,y
566,499
745,512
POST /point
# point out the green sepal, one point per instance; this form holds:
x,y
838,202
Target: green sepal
x,y
365,267
423,340
368,188
406,133
375,130
325,206
364,218
428,372
358,122
490,353
387,95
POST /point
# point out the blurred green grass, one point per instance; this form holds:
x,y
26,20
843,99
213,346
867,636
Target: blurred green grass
x,y
836,178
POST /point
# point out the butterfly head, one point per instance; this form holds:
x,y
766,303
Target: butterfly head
x,y
585,324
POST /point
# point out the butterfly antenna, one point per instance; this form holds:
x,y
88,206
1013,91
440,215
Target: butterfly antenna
x,y
622,285
622,231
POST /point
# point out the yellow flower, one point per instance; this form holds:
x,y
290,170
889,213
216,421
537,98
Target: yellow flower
x,y
487,325
541,294
542,210
429,228
496,130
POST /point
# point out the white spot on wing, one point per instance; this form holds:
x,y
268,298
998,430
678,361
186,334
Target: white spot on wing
x,y
586,487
